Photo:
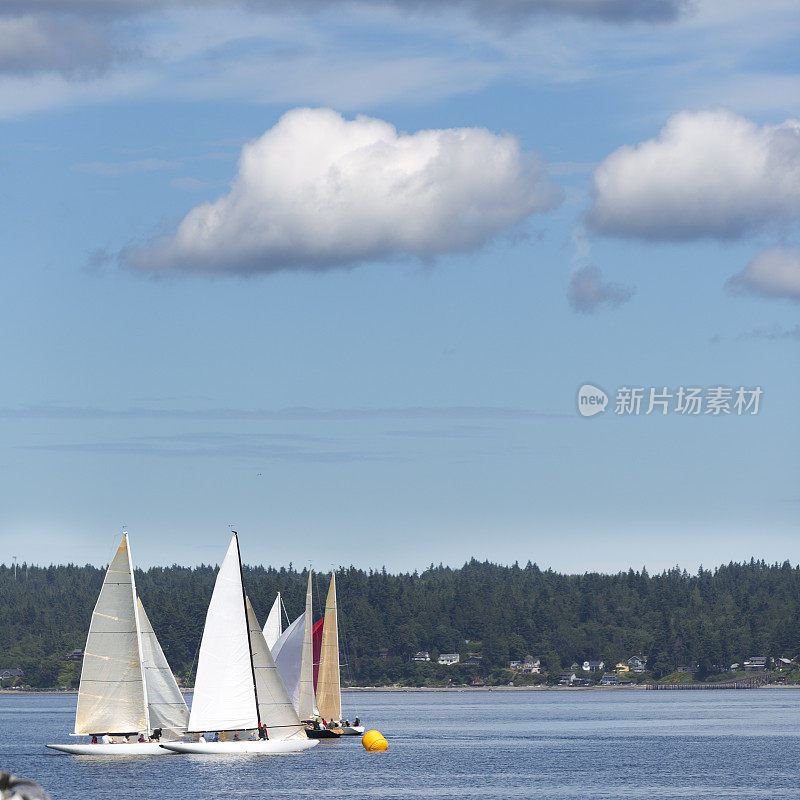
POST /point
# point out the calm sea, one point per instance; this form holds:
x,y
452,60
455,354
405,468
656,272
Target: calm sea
x,y
488,745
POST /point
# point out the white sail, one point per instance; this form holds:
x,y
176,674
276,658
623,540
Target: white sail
x,y
306,701
329,695
275,709
288,655
111,698
165,702
272,627
224,690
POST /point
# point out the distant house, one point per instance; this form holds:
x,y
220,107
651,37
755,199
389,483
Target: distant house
x,y
783,662
637,663
515,665
11,673
692,667
593,666
621,668
475,659
477,682
566,679
532,666
423,655
448,659
734,667
74,655
755,662
609,679
575,666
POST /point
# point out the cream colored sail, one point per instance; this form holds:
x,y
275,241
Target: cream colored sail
x,y
329,696
275,707
166,706
224,690
112,693
287,653
306,702
272,627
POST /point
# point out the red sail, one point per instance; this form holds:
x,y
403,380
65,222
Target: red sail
x,y
316,633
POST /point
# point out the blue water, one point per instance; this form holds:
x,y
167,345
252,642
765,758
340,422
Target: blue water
x,y
489,745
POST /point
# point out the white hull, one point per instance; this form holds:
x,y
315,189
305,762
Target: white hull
x,y
269,747
352,730
114,750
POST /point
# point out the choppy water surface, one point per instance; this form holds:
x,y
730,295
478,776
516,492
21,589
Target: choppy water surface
x,y
567,744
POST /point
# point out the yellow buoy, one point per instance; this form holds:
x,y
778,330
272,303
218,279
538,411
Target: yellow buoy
x,y
374,742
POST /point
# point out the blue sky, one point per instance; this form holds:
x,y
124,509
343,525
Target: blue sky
x,y
356,332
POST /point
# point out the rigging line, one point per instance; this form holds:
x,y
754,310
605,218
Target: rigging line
x,y
285,612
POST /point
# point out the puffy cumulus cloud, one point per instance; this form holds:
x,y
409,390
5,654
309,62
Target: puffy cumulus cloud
x,y
708,174
772,273
588,292
318,191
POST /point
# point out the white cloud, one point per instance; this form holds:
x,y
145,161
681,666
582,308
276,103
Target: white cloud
x,y
709,173
772,273
318,191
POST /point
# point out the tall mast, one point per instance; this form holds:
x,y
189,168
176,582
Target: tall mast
x,y
138,636
249,641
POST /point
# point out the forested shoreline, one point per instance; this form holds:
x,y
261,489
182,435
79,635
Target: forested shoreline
x,y
715,617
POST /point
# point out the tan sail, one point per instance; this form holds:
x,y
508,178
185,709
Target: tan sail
x,y
329,697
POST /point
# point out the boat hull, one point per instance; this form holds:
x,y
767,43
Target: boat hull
x,y
269,747
113,750
323,733
353,730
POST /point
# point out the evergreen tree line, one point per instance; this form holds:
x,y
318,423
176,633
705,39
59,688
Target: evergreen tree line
x,y
506,612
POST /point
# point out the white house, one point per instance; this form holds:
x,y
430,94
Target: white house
x,y
593,666
423,655
449,658
532,666
755,662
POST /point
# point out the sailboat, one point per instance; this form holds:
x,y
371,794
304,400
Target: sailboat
x,y
238,688
296,647
126,687
329,693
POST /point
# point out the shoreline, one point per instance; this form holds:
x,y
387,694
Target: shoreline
x,y
377,689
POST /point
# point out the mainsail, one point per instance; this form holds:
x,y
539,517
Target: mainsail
x,y
224,689
166,706
272,627
306,701
112,693
329,698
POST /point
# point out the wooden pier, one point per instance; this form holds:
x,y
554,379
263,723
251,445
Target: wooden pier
x,y
750,682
